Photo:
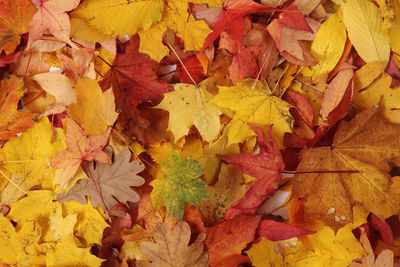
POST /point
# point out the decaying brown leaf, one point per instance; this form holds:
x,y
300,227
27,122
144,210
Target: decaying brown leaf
x,y
171,247
113,181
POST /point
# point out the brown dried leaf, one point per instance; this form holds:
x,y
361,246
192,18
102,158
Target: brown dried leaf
x,y
113,181
171,247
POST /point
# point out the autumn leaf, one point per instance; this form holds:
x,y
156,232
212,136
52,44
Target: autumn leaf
x,y
14,249
66,251
79,148
324,248
287,41
30,153
292,17
39,217
113,182
377,93
15,16
171,247
177,18
266,167
51,15
189,105
336,101
225,192
180,184
274,231
133,79
328,44
231,19
120,17
60,87
12,121
354,169
365,29
252,102
94,110
384,259
226,240
264,254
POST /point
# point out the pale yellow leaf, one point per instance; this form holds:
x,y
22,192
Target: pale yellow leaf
x,y
60,87
365,28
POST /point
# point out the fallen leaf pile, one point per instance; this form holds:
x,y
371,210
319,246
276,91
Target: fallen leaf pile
x,y
199,133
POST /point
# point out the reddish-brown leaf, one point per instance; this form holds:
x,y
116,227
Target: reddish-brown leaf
x,y
226,241
133,79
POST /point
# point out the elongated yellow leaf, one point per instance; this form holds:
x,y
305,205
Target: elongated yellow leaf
x,y
120,17
365,29
328,44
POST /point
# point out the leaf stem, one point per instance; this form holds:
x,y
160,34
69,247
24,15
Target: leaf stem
x,y
183,65
33,99
12,182
89,172
303,172
105,61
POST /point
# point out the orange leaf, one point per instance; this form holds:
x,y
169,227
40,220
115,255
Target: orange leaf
x,y
354,169
79,148
226,241
11,120
15,16
52,16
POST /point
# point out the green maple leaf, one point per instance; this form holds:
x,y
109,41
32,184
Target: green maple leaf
x,y
179,185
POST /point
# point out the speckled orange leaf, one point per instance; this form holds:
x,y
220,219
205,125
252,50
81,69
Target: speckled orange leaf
x,y
354,169
12,121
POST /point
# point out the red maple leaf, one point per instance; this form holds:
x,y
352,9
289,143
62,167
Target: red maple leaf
x,y
231,19
265,166
79,148
134,81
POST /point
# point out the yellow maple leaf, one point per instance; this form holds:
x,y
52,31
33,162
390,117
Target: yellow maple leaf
x,y
65,251
323,248
18,245
213,163
39,205
252,102
120,17
94,110
263,254
28,155
189,105
365,28
371,90
177,18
